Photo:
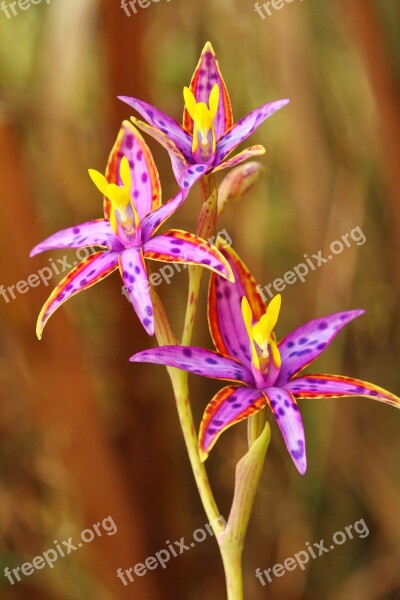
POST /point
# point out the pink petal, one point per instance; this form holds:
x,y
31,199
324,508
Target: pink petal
x,y
182,247
289,420
90,271
196,360
178,160
301,347
229,406
241,157
92,233
134,276
163,123
244,128
206,75
336,386
224,308
146,190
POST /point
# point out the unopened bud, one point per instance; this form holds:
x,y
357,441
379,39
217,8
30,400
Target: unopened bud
x,y
237,183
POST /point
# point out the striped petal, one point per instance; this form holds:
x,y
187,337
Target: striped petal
x,y
182,247
337,386
92,233
178,160
134,275
225,318
163,123
288,417
305,344
146,189
241,157
206,75
229,406
90,271
244,128
196,360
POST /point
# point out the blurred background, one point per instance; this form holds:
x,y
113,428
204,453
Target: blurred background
x,y
83,433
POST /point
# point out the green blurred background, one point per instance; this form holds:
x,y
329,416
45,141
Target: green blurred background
x,y
84,434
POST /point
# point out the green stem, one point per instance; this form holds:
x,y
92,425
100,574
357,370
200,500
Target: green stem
x,y
179,381
230,538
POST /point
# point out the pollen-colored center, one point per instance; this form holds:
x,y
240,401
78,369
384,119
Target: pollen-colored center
x,y
204,141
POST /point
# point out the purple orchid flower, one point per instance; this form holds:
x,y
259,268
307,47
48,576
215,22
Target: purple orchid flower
x,y
208,134
133,213
263,373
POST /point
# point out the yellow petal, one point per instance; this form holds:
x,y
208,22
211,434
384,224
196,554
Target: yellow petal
x,y
248,322
190,102
99,180
262,330
273,310
276,356
125,173
214,101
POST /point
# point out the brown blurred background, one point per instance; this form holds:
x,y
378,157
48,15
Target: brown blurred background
x,y
84,434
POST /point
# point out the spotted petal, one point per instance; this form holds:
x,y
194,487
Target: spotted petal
x,y
178,160
163,123
155,219
92,233
90,271
245,127
182,247
146,189
305,344
289,420
336,386
206,75
224,307
196,360
241,157
134,276
229,406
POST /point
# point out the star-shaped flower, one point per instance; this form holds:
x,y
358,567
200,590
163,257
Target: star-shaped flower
x,y
208,134
262,371
133,214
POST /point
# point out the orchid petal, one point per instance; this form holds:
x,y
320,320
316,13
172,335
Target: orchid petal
x,y
224,307
154,220
178,160
181,247
90,271
289,420
134,276
241,157
336,386
206,75
91,233
145,182
301,347
229,406
196,360
163,123
244,128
